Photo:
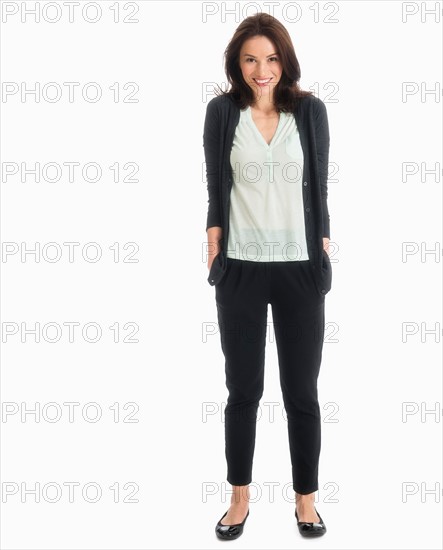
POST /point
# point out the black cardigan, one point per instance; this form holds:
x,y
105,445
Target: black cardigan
x,y
222,117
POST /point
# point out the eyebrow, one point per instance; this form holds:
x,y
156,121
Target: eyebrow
x,y
250,55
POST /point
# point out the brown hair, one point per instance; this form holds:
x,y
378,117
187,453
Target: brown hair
x,y
287,90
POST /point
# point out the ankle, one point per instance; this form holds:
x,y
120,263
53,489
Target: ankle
x,y
240,496
303,500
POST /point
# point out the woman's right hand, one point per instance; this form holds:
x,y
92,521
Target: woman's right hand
x,y
212,253
214,243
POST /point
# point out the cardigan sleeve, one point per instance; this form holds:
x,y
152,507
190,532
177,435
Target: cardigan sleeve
x,y
322,139
211,145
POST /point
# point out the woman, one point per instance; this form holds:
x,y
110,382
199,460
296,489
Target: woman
x,y
266,145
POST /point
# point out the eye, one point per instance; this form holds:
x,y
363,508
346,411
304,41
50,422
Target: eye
x,y
249,59
273,58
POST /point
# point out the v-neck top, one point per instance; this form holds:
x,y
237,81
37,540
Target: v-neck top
x,y
266,217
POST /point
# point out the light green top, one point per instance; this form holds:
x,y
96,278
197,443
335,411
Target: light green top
x,y
266,218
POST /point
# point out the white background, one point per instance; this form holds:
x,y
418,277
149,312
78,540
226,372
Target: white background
x,y
380,470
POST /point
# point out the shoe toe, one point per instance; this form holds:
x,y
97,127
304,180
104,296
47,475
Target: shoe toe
x,y
229,531
311,528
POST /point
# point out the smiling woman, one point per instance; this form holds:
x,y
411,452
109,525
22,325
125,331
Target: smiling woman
x,y
268,227
263,71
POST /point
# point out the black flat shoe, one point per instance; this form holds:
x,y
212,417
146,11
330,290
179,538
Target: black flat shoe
x,y
310,528
229,532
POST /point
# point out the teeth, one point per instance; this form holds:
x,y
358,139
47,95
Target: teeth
x,y
262,81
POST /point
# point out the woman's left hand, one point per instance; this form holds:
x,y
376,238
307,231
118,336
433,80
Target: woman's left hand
x,y
326,244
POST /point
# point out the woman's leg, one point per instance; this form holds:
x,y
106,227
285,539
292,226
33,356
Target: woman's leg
x,y
242,298
299,321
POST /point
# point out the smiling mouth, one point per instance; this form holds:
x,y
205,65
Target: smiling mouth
x,y
262,81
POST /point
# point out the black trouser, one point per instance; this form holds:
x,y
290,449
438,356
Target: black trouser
x,y
242,298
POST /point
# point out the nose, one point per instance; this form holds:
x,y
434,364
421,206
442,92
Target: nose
x,y
260,69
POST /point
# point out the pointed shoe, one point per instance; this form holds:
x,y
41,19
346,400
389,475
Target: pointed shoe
x,y
229,532
310,528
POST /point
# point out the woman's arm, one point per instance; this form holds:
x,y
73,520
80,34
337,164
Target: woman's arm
x,y
322,140
211,145
326,244
214,236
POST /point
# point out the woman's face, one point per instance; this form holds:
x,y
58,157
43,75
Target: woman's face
x,y
260,65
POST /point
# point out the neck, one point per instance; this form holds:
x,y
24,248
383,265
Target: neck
x,y
264,103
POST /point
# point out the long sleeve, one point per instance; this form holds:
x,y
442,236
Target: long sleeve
x,y
211,144
322,139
